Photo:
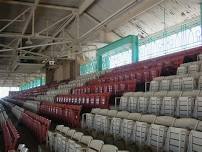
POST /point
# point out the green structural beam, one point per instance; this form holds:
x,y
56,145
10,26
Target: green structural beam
x,y
131,40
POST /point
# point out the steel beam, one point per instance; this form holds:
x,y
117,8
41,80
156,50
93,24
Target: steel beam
x,y
39,5
19,35
52,25
34,46
58,31
29,18
11,22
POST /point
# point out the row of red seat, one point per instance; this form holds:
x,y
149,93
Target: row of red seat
x,y
113,88
86,100
140,76
37,124
69,114
10,135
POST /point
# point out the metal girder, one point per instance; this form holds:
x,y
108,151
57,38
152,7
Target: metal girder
x,y
58,31
34,46
12,21
54,24
40,5
28,19
19,35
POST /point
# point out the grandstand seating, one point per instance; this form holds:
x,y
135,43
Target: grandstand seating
x,y
66,139
159,132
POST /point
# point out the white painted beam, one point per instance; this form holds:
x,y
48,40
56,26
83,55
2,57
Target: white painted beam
x,y
40,5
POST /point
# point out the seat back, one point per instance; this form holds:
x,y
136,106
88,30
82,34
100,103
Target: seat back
x,y
123,103
132,104
156,136
126,129
139,133
176,140
182,70
142,104
195,141
176,84
198,108
188,83
184,106
154,86
165,85
154,105
168,106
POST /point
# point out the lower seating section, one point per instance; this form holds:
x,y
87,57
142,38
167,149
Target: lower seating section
x,y
37,124
10,134
69,114
157,133
69,140
171,103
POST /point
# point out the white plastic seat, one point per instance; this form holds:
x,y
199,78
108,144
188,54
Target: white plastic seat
x,y
168,106
133,104
176,140
126,129
95,145
188,83
184,106
115,128
154,105
77,136
165,85
123,103
142,104
71,133
101,124
194,67
109,148
89,120
156,136
182,70
195,141
154,86
73,146
176,84
198,108
200,83
140,131
85,140
59,128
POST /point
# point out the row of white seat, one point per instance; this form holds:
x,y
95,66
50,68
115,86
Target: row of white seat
x,y
171,103
162,133
69,140
190,67
177,82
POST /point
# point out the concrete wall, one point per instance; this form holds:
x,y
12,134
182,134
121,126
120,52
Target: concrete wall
x,y
67,70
